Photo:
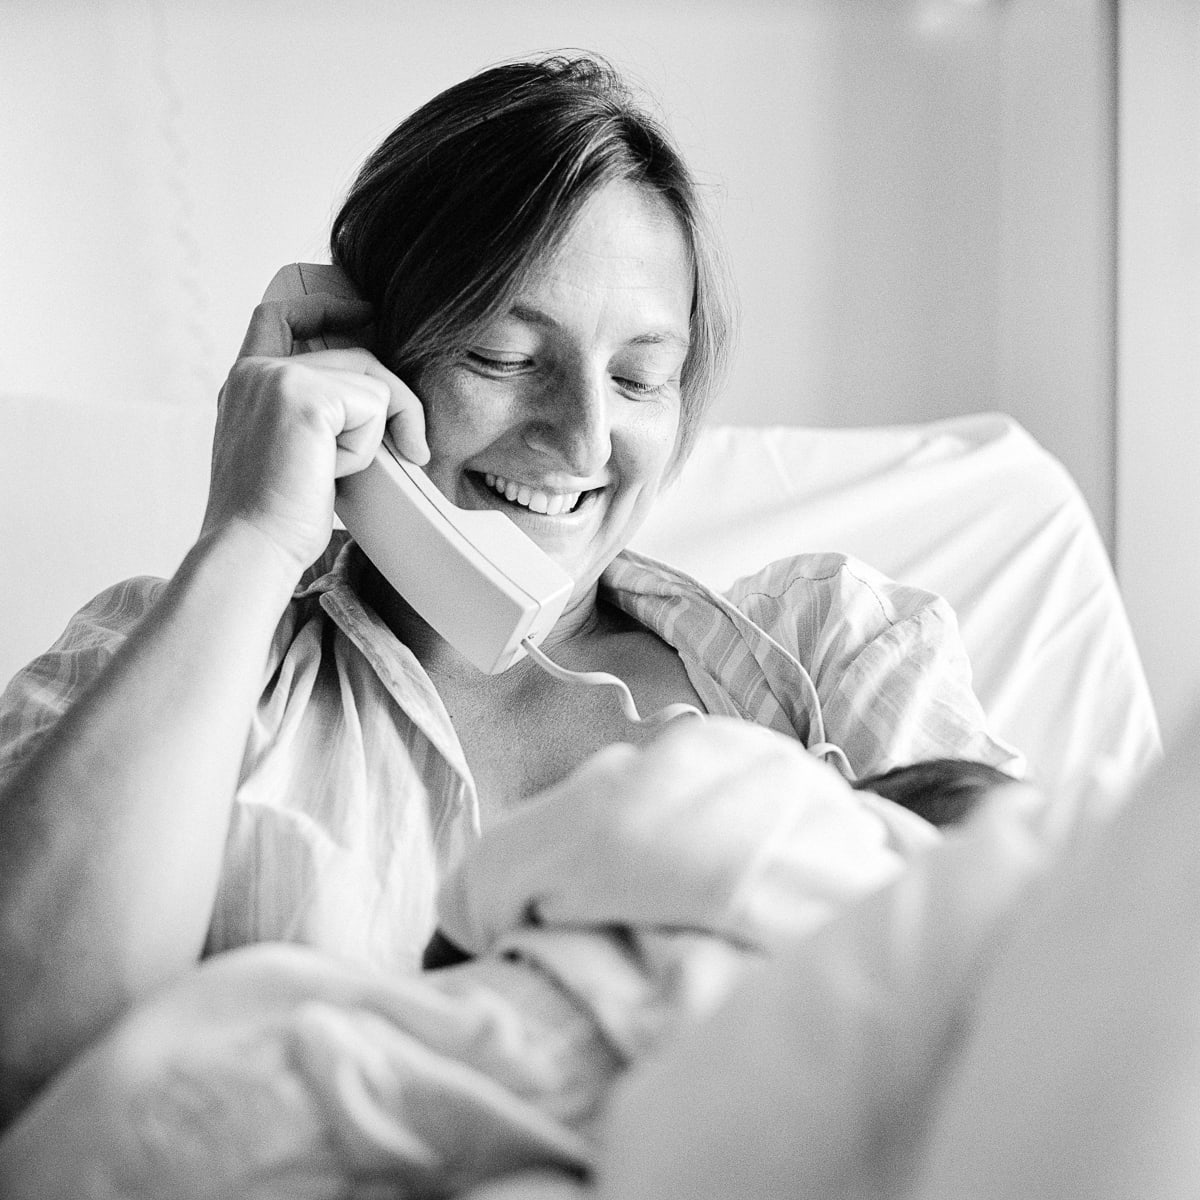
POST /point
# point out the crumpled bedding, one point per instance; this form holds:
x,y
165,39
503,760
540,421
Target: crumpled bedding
x,y
971,508
1014,1016
609,917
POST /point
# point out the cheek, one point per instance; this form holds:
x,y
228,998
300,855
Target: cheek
x,y
456,415
651,440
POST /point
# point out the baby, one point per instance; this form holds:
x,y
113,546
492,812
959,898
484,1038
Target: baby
x,y
944,791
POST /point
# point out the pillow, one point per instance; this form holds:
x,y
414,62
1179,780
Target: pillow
x,y
971,508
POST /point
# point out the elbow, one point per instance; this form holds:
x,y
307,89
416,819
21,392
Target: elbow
x,y
37,1040
45,1020
29,1053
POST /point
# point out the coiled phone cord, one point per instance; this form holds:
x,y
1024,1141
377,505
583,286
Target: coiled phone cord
x,y
604,679
826,750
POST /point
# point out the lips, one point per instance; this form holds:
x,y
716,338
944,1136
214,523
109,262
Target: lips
x,y
548,503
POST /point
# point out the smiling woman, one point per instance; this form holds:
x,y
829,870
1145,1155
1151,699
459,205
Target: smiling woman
x,y
272,745
572,393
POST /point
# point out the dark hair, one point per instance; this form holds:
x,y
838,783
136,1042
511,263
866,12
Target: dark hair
x,y
944,791
449,214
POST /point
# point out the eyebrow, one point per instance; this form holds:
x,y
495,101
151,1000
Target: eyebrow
x,y
652,337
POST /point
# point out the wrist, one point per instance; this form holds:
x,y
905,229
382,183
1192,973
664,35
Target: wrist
x,y
240,552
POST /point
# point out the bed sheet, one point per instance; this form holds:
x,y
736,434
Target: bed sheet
x,y
971,508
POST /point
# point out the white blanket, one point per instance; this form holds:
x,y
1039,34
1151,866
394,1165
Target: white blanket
x,y
669,1002
1016,1016
606,913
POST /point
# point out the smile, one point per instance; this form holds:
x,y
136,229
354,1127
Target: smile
x,y
551,504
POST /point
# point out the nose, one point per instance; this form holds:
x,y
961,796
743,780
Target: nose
x,y
571,423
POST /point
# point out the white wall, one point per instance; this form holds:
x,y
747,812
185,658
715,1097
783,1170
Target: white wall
x,y
894,176
1159,329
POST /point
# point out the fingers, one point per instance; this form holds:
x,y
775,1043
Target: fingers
x,y
406,427
404,417
368,400
364,404
405,412
276,327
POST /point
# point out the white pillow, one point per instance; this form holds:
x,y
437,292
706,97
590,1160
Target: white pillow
x,y
971,508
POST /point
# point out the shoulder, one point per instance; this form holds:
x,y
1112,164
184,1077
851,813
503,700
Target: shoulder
x,y
46,687
101,625
890,669
835,593
114,611
822,609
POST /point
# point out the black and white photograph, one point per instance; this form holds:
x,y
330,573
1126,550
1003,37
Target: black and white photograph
x,y
597,600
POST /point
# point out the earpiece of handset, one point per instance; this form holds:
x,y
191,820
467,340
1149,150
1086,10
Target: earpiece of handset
x,y
308,279
324,341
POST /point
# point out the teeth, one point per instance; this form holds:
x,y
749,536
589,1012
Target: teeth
x,y
531,498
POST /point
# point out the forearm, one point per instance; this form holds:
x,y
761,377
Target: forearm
x,y
112,833
111,836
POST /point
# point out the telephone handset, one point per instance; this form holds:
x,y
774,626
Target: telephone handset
x,y
473,575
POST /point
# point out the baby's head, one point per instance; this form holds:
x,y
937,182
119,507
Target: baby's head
x,y
944,791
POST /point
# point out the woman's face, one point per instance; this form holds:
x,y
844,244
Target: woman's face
x,y
563,413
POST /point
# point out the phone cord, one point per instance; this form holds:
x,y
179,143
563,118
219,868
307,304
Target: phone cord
x,y
829,751
603,679
836,757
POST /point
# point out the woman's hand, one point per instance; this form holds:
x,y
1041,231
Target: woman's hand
x,y
287,427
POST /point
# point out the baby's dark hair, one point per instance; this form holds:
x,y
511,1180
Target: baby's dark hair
x,y
944,791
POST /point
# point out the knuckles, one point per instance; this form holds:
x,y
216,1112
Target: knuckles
x,y
271,311
266,377
276,390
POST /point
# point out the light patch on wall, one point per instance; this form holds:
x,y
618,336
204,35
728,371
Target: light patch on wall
x,y
944,18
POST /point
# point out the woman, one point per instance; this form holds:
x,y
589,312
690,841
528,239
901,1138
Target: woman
x,y
271,745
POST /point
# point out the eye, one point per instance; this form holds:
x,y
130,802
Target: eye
x,y
498,362
639,387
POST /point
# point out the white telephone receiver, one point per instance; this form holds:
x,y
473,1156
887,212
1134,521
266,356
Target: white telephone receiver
x,y
473,575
